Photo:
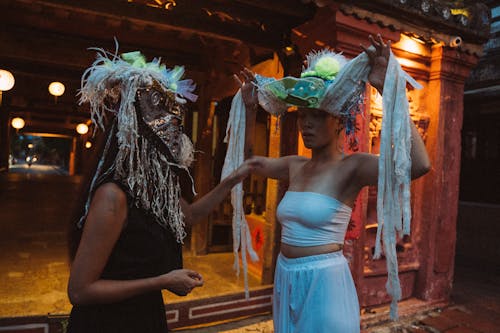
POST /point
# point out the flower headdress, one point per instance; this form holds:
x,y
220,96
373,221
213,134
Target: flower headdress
x,y
323,84
149,150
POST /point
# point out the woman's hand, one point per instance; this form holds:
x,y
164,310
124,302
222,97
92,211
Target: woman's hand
x,y
245,169
251,101
248,89
181,281
199,209
379,58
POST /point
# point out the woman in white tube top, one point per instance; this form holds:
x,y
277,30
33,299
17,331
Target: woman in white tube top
x,y
314,290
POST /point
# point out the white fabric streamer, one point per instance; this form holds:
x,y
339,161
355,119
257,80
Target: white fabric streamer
x,y
235,137
393,200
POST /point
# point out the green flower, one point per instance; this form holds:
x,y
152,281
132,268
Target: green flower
x,y
325,68
135,58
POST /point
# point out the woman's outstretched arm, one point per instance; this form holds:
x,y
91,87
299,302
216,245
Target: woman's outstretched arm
x,y
277,168
199,209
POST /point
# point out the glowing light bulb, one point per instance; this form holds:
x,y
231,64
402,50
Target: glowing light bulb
x,y
6,80
56,89
17,123
82,128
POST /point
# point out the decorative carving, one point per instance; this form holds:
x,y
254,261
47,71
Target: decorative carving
x,y
466,15
163,4
420,119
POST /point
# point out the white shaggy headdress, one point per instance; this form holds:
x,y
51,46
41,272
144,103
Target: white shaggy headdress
x,y
148,172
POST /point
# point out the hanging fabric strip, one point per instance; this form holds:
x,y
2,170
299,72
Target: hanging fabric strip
x,y
393,200
235,137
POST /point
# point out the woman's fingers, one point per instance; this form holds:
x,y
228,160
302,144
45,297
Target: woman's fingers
x,y
381,45
246,168
370,52
386,51
384,46
380,48
380,41
196,276
373,41
196,280
249,74
377,43
244,74
238,80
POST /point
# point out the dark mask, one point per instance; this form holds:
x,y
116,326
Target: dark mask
x,y
164,115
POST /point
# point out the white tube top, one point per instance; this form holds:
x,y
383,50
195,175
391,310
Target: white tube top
x,y
311,219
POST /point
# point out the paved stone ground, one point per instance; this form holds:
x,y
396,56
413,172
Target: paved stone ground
x,y
33,259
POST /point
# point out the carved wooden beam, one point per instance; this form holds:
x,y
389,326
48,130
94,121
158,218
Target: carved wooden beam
x,y
64,35
233,21
431,20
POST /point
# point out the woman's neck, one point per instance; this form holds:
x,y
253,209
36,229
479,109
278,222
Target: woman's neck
x,y
327,153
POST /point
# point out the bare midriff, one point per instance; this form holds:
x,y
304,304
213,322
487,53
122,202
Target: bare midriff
x,y
291,251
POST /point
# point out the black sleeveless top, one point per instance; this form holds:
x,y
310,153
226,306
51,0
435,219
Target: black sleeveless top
x,y
144,249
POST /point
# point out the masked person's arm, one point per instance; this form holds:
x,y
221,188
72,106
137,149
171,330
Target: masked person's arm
x,y
194,212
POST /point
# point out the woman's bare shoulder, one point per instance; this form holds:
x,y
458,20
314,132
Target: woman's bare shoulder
x,y
360,157
106,216
297,159
110,190
109,196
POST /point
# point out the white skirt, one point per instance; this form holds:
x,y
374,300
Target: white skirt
x,y
315,294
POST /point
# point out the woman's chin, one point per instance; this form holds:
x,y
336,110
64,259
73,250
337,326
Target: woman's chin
x,y
309,145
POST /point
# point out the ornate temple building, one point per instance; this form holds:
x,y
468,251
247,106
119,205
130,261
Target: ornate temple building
x,y
439,43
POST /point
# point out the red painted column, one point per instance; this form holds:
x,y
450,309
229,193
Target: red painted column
x,y
448,72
